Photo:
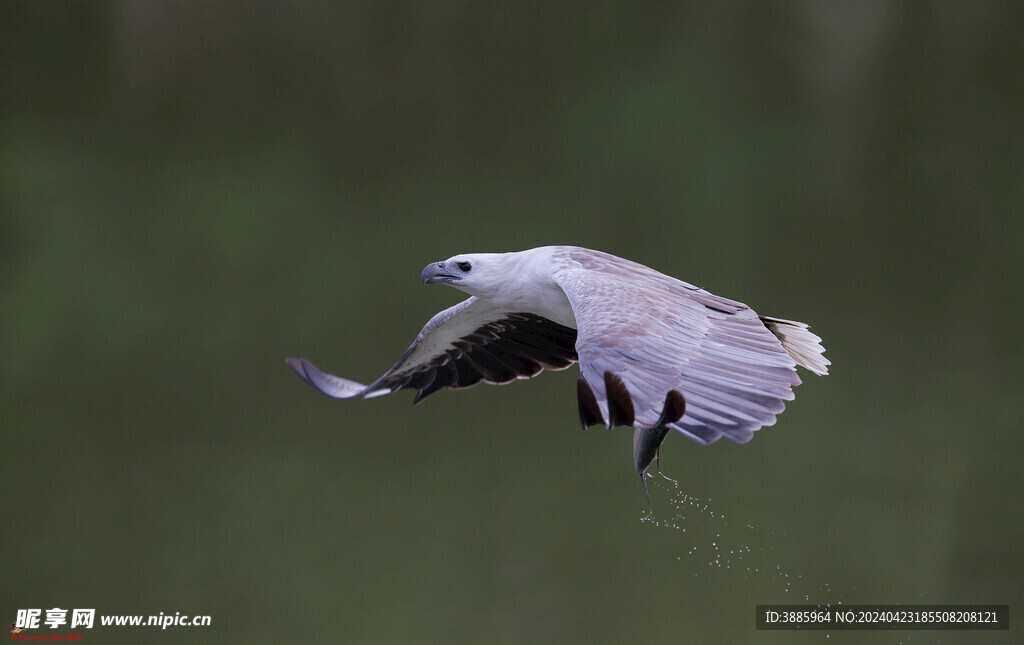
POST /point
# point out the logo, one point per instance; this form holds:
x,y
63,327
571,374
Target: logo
x,y
56,618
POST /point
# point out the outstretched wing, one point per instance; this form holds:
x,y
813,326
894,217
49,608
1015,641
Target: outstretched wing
x,y
646,338
471,342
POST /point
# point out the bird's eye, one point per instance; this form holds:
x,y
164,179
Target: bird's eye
x,y
465,267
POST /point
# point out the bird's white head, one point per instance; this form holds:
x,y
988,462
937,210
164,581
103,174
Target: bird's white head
x,y
478,274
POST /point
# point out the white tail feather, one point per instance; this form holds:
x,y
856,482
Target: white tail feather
x,y
803,346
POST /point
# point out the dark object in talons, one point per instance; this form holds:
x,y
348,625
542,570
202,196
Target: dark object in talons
x,y
620,406
646,445
590,412
675,408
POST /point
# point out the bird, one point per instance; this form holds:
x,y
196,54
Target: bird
x,y
655,353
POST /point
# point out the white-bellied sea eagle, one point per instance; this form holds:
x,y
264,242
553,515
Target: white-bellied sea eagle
x,y
655,353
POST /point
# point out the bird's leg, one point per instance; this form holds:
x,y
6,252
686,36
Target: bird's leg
x,y
647,493
675,407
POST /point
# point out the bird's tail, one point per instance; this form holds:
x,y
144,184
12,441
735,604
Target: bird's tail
x,y
802,346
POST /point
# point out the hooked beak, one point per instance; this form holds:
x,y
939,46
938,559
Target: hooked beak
x,y
434,272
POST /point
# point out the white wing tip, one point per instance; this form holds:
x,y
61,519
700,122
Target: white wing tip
x,y
329,384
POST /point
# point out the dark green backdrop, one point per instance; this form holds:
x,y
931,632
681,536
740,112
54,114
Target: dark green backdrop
x,y
191,192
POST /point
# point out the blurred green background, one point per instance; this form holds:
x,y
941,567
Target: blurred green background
x,y
191,192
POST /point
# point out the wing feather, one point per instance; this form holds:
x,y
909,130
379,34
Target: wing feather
x,y
471,342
